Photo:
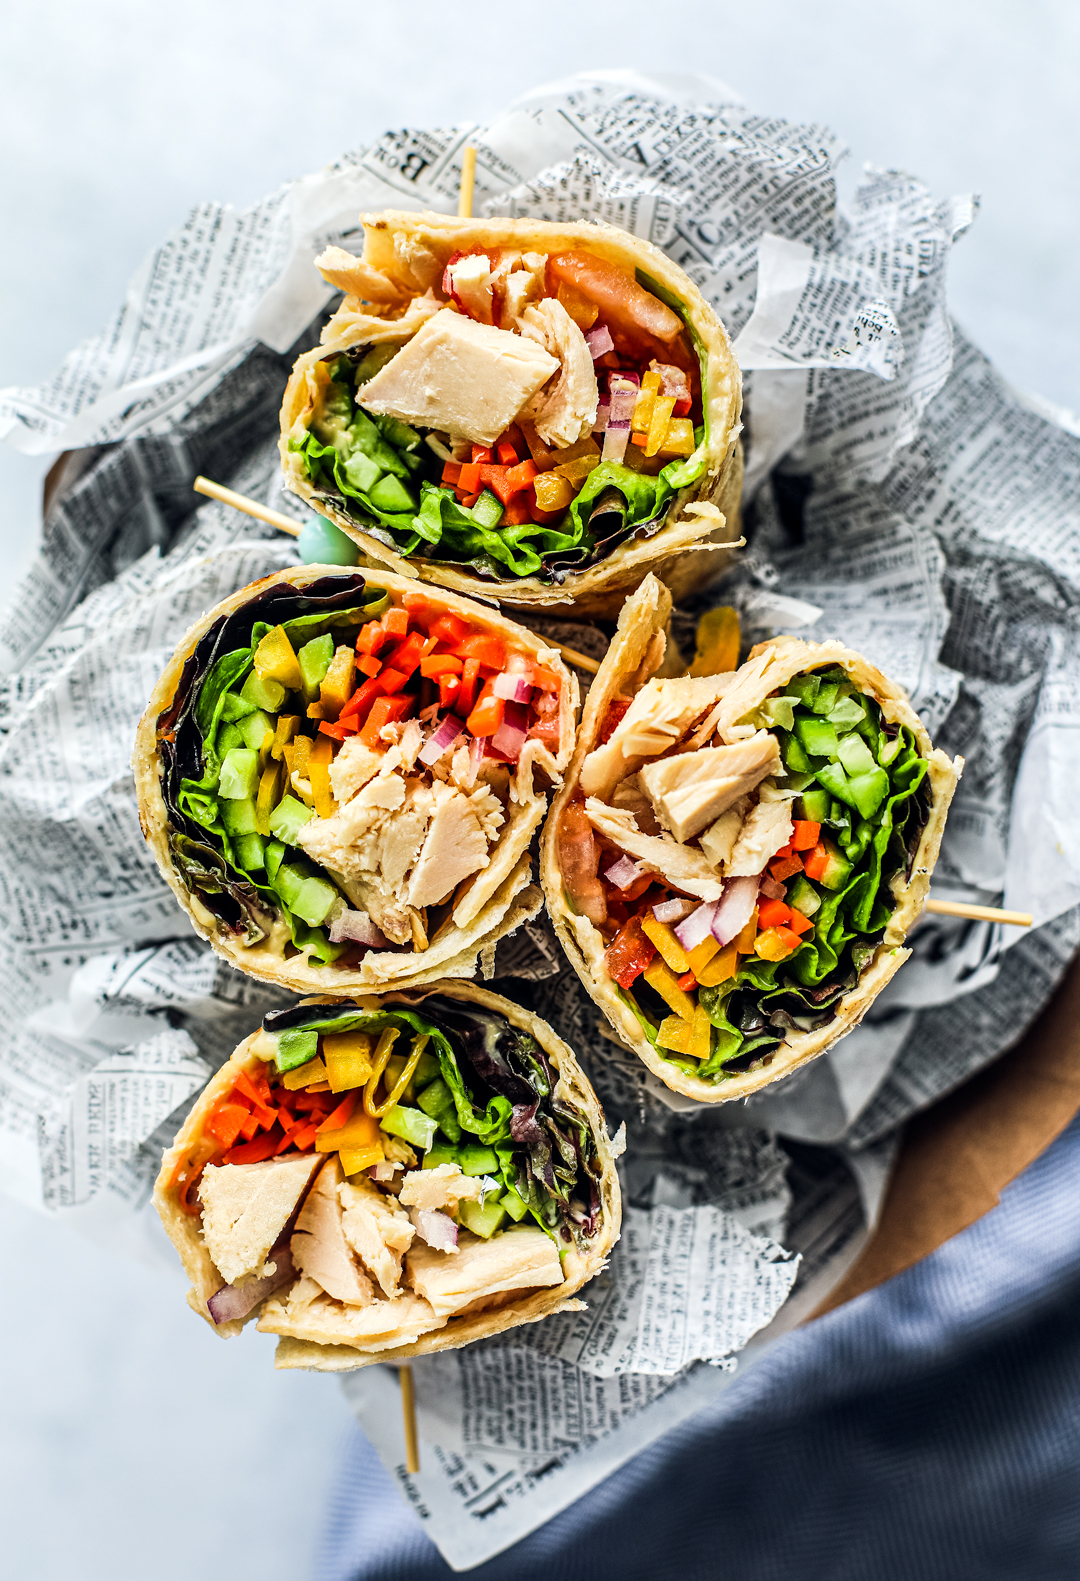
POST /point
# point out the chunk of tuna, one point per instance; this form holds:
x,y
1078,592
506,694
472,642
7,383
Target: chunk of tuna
x,y
660,714
718,841
378,1231
319,1247
691,789
455,847
245,1209
684,866
380,1326
767,828
519,1259
465,378
356,278
443,1187
567,410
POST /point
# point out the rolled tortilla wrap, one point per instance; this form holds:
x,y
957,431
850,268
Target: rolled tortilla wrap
x,y
468,1184
456,333
700,796
385,842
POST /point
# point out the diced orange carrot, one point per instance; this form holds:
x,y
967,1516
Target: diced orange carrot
x,y
772,913
437,664
369,665
798,923
487,716
384,711
396,622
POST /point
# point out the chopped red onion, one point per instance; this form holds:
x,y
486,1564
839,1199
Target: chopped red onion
x,y
673,910
616,439
476,757
673,380
734,908
697,926
443,739
624,872
515,688
437,1229
624,373
509,739
236,1301
603,412
356,927
599,341
623,400
771,888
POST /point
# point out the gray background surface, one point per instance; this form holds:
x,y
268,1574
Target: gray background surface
x,y
133,1442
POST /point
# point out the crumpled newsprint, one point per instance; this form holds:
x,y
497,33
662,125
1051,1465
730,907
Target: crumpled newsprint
x,y
899,495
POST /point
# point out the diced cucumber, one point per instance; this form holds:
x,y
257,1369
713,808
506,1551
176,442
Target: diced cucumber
x,y
250,850
238,817
239,774
295,1047
413,1127
397,433
837,869
362,472
274,853
313,900
825,701
794,757
803,896
314,661
288,880
847,713
476,1160
488,510
778,711
816,736
482,1221
438,1154
834,778
427,1068
374,358
437,1100
799,782
815,804
513,1204
868,791
228,736
288,818
262,692
390,494
804,687
254,727
234,707
855,755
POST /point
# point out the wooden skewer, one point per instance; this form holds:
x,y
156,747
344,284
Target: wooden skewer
x,y
241,502
958,908
408,1412
582,660
468,181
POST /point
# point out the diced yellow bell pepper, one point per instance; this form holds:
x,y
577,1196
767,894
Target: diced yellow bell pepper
x,y
717,642
575,472
720,968
337,685
646,402
348,1059
360,1130
663,407
581,310
658,975
287,726
316,711
268,797
265,747
297,753
679,439
693,1037
700,956
318,766
303,1075
661,935
553,492
771,945
354,1160
275,660
744,944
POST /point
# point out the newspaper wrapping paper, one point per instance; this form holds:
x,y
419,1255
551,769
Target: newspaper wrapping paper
x,y
899,495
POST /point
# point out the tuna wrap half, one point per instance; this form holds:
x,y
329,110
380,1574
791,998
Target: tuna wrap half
x,y
575,364
377,1178
340,777
734,861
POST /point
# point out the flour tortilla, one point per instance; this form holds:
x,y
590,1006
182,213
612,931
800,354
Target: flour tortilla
x,y
502,897
634,656
404,258
331,1356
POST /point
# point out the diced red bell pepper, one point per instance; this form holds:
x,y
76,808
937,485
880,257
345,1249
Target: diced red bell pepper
x,y
687,982
336,730
806,835
392,681
361,700
816,862
250,1126
407,655
448,628
304,1136
469,500
470,677
384,711
773,914
506,454
451,474
798,923
486,649
264,1146
487,715
789,937
482,454
449,689
258,1091
225,1121
517,512
546,725
469,478
436,664
783,867
505,482
343,1113
628,954
371,638
615,710
369,665
396,622
545,680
